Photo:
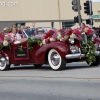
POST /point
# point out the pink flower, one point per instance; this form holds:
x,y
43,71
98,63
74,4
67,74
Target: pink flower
x,y
54,35
79,37
46,40
66,31
1,41
84,27
77,31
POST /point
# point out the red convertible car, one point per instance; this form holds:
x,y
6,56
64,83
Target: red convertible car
x,y
55,48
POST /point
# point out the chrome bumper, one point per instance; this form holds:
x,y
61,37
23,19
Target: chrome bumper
x,y
79,55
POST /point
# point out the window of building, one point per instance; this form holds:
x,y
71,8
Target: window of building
x,y
67,24
20,24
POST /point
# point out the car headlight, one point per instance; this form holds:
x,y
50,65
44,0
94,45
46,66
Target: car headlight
x,y
74,49
71,41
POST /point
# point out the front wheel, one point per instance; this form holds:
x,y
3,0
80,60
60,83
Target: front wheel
x,y
97,62
55,60
3,65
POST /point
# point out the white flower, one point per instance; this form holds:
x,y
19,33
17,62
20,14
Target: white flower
x,y
73,36
5,28
5,43
41,44
6,37
52,39
44,41
63,40
86,29
59,36
65,37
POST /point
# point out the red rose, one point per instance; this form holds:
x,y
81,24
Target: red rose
x,y
62,31
63,35
88,32
49,34
70,32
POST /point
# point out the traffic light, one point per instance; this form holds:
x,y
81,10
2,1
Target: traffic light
x,y
89,21
74,5
88,8
76,19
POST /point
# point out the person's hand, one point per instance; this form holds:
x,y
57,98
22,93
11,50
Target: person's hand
x,y
33,24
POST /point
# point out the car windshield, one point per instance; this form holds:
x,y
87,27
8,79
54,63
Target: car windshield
x,y
29,32
36,31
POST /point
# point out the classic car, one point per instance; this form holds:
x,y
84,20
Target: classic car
x,y
53,50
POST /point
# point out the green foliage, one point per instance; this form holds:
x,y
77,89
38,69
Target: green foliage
x,y
1,46
32,40
91,54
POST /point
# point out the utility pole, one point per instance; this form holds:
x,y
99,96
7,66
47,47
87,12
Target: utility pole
x,y
90,16
59,13
77,7
79,13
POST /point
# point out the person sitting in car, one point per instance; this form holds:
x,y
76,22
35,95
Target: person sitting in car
x,y
15,34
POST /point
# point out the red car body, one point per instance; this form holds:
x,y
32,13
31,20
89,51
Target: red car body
x,y
38,54
43,54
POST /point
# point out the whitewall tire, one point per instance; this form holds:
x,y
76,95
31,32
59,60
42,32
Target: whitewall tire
x,y
3,65
55,60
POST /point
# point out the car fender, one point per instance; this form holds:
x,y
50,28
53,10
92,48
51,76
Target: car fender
x,y
4,54
61,47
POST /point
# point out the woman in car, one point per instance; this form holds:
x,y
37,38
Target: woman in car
x,y
15,33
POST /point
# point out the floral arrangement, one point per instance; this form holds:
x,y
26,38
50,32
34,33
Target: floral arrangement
x,y
5,40
91,54
63,35
7,29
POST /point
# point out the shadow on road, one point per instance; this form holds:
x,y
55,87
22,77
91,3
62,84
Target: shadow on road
x,y
47,67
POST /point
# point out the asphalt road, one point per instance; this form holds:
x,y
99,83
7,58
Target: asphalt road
x,y
77,82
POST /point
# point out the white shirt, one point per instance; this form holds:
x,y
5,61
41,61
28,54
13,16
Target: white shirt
x,y
17,36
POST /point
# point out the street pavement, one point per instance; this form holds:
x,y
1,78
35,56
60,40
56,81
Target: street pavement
x,y
77,81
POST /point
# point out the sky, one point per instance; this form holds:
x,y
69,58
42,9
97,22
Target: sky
x,y
96,0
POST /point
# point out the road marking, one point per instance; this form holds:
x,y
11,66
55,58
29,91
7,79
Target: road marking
x,y
50,77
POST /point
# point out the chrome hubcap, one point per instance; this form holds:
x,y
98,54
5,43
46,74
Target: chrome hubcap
x,y
55,58
2,62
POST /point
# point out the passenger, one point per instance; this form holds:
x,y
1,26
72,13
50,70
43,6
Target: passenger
x,y
14,33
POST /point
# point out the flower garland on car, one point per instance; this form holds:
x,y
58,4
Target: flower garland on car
x,y
5,40
32,40
63,35
91,54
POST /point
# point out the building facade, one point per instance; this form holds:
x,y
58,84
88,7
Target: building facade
x,y
43,12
